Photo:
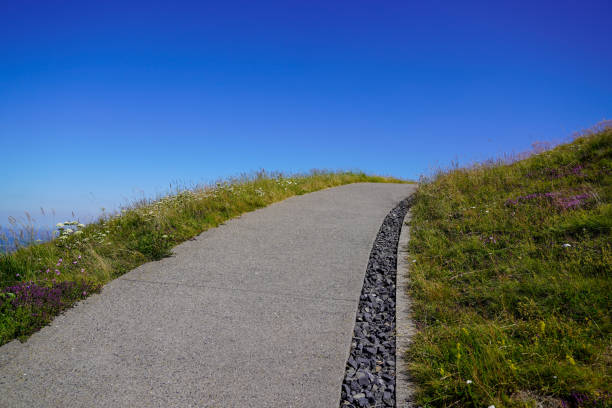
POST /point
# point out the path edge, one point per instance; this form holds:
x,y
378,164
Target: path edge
x,y
404,325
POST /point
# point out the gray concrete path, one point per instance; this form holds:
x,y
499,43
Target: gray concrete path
x,y
256,313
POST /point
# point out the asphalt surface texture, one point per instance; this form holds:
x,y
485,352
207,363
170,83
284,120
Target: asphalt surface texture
x,y
258,312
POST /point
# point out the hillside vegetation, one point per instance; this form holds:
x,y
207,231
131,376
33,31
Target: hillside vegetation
x,y
37,282
511,281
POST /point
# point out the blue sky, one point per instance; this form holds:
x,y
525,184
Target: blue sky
x,y
104,102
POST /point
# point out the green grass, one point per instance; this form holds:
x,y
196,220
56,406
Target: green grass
x,y
512,295
33,279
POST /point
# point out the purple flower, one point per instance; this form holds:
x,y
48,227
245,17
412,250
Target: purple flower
x,y
557,172
46,300
557,198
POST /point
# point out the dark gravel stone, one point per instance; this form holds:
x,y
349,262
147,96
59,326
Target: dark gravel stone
x,y
370,369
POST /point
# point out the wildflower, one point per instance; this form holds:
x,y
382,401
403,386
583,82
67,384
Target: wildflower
x,y
570,359
84,293
487,211
57,272
414,260
566,245
74,262
17,275
69,231
542,326
59,224
81,225
78,232
164,236
82,270
491,406
79,257
469,382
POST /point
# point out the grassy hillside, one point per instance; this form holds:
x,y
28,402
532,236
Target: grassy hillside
x,y
512,281
39,281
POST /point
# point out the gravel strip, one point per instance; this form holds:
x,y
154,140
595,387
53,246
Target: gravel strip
x,y
370,370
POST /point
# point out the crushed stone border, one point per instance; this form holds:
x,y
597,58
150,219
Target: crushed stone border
x,y
370,373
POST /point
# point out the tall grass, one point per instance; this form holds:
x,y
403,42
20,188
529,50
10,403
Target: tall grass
x,y
511,281
38,281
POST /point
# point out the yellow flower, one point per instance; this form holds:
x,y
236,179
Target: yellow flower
x,y
542,326
570,359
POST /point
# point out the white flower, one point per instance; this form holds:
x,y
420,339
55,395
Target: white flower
x,y
468,382
472,207
164,236
487,211
566,245
78,232
414,260
81,225
59,224
68,231
491,406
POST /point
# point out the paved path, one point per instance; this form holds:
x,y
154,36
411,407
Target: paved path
x,y
256,313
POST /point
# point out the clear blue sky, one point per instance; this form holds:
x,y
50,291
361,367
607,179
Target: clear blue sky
x,y
103,101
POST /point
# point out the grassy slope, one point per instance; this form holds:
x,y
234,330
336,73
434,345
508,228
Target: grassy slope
x,y
39,281
508,314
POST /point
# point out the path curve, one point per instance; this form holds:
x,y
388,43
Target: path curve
x,y
258,312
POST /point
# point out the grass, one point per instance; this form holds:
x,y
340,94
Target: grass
x,y
39,281
511,281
